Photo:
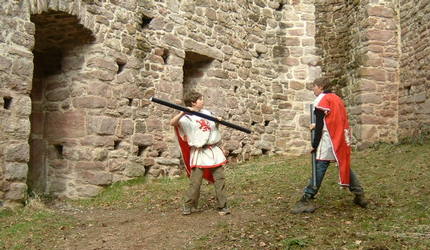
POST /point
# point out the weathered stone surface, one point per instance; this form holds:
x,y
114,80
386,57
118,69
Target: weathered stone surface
x,y
202,49
16,192
96,177
5,63
65,125
16,171
380,11
87,191
90,102
143,139
18,153
106,126
134,170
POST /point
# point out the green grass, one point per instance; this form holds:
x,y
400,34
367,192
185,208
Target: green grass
x,y
31,227
395,178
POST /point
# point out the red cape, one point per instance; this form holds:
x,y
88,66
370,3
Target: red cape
x,y
185,149
336,120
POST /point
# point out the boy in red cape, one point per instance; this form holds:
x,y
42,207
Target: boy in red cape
x,y
331,144
198,139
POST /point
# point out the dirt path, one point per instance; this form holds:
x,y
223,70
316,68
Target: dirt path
x,y
136,229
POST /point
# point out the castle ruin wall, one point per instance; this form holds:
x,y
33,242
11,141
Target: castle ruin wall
x,y
414,91
77,77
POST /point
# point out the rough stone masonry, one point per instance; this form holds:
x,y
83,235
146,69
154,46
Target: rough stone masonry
x,y
76,77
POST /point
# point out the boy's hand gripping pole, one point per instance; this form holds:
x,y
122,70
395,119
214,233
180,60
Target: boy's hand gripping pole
x,y
314,160
211,118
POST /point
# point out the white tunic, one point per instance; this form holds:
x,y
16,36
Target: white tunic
x,y
325,147
202,135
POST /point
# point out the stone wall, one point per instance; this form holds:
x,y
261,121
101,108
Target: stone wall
x,y
77,75
414,92
360,50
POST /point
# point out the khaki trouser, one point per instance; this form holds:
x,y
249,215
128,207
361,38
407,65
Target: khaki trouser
x,y
193,193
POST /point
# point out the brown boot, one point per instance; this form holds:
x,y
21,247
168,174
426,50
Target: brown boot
x,y
360,200
304,205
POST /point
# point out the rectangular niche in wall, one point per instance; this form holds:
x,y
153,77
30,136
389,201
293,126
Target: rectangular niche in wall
x,y
195,68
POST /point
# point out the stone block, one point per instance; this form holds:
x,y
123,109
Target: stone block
x,y
134,170
65,125
373,74
89,102
173,41
16,171
18,152
5,63
380,35
296,85
95,177
105,125
58,94
83,191
368,133
16,192
366,85
202,49
143,139
167,161
99,88
23,67
369,98
380,11
372,119
127,127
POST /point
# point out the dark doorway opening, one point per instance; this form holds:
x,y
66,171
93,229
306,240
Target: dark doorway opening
x,y
59,38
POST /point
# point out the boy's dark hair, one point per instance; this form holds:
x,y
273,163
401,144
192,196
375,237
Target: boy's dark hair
x,y
323,82
191,97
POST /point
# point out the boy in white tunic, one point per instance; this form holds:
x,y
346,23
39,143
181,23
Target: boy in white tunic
x,y
331,144
198,138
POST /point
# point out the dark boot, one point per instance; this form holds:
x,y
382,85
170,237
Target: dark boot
x,y
360,200
304,205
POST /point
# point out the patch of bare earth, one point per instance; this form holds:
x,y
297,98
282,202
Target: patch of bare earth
x,y
139,229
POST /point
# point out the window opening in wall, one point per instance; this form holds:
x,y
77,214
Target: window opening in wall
x,y
59,150
253,123
165,55
116,144
235,89
408,90
195,68
147,168
266,123
232,153
130,101
145,21
140,149
258,54
160,153
7,101
120,66
260,93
